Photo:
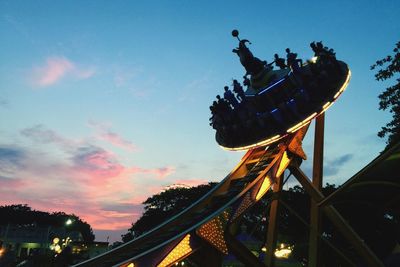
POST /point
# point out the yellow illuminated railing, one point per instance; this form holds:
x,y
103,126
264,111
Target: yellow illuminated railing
x,y
264,187
343,86
302,123
262,143
283,164
180,251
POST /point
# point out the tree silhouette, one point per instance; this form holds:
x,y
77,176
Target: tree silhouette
x,y
22,214
388,69
376,226
163,206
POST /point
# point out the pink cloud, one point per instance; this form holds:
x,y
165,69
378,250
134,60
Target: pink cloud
x,y
11,183
104,133
76,177
97,163
162,172
82,186
111,220
57,68
54,70
117,140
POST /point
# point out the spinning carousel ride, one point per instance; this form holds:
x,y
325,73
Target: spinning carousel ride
x,y
271,104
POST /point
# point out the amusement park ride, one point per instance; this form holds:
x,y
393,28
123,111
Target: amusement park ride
x,y
269,118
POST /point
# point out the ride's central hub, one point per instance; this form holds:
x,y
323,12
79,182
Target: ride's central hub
x,y
270,104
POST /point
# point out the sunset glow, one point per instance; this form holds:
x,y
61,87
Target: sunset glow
x,y
104,104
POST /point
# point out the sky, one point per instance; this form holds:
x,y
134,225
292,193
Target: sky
x,y
105,103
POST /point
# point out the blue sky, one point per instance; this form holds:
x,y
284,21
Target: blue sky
x,y
104,103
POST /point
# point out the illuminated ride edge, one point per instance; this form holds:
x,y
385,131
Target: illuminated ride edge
x,y
283,101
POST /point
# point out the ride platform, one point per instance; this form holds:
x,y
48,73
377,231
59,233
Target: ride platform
x,y
277,103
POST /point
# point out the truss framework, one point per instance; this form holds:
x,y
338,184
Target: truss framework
x,y
209,224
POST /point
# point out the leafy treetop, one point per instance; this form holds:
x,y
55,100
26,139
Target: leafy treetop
x,y
388,68
160,207
22,214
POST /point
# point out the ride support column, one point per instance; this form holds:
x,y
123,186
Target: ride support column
x,y
272,224
317,177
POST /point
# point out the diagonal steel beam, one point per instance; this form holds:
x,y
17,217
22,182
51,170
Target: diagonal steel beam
x,y
337,220
363,171
241,252
306,224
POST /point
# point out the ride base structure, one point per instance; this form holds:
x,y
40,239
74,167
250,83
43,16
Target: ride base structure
x,y
269,119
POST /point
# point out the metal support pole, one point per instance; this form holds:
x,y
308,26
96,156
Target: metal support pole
x,y
272,224
337,220
315,215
